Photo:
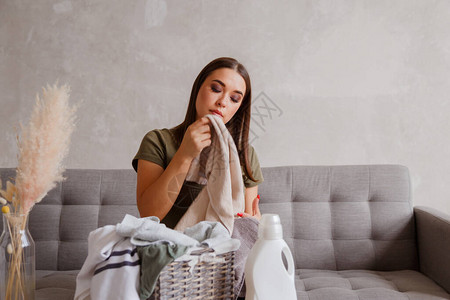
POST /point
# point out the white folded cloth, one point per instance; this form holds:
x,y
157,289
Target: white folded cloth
x,y
213,235
145,231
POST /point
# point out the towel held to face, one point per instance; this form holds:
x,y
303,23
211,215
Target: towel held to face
x,y
218,167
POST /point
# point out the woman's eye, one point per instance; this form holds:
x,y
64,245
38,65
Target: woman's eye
x,y
215,88
235,99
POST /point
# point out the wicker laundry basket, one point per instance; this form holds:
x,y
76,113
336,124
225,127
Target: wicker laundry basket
x,y
208,280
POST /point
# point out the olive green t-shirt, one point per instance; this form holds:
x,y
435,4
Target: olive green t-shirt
x,y
159,146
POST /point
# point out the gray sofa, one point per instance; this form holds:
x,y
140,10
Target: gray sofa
x,y
352,230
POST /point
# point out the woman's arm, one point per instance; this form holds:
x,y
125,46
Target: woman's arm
x,y
157,189
252,203
250,195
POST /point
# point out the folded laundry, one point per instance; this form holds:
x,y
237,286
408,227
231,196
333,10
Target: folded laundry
x,y
213,235
146,231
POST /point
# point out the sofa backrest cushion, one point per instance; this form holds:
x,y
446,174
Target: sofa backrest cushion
x,y
87,199
336,218
344,217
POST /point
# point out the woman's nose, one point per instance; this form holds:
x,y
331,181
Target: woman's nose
x,y
221,101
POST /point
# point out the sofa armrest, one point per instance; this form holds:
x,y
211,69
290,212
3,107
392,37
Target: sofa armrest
x,y
433,241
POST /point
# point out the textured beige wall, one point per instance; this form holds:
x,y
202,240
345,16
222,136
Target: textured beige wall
x,y
338,82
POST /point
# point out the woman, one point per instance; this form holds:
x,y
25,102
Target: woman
x,y
164,157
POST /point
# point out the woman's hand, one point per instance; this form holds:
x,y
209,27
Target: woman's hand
x,y
157,189
255,210
196,138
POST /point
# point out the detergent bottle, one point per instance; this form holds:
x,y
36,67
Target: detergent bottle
x,y
266,276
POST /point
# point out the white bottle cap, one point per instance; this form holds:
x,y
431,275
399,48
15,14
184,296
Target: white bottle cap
x,y
270,227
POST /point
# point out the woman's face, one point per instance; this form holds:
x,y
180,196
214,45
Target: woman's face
x,y
221,94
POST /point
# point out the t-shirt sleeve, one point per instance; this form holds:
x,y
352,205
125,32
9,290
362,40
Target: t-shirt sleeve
x,y
152,149
256,169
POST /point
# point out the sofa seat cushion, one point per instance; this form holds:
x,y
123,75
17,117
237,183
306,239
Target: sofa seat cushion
x,y
55,285
364,284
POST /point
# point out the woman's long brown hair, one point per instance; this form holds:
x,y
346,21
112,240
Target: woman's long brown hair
x,y
239,125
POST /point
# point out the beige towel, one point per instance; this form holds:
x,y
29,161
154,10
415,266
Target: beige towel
x,y
218,166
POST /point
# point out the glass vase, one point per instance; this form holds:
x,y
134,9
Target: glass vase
x,y
17,259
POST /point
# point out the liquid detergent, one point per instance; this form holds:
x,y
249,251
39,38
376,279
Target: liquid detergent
x,y
266,275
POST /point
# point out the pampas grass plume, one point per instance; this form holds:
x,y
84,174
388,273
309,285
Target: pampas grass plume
x,y
42,147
